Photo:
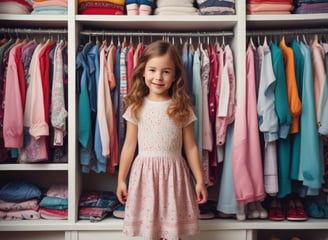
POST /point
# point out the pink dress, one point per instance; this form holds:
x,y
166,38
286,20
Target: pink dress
x,y
161,200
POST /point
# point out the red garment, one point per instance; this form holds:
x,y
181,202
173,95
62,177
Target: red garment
x,y
102,11
271,1
98,7
22,2
44,60
129,64
212,106
48,213
21,74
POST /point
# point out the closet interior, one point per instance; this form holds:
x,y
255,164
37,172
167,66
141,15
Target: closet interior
x,y
77,30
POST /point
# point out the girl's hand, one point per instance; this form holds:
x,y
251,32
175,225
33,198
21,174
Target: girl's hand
x,y
122,192
201,193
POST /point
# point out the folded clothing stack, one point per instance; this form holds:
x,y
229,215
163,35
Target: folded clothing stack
x,y
269,6
172,7
96,205
101,7
216,7
15,7
311,6
49,7
19,200
54,204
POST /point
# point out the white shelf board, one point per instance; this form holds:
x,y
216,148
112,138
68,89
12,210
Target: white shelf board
x,y
281,21
113,224
161,23
35,21
34,166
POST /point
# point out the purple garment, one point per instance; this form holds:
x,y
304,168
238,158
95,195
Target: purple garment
x,y
27,52
308,8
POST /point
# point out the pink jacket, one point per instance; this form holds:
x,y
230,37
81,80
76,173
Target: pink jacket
x,y
34,117
13,111
246,153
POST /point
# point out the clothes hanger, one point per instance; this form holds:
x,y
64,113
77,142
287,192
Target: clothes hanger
x,y
118,41
251,43
223,41
265,41
304,39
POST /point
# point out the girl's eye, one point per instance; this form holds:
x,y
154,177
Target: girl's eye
x,y
167,72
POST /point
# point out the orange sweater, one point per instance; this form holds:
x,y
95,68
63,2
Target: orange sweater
x,y
294,101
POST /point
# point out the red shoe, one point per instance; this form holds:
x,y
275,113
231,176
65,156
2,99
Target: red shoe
x,y
275,211
295,211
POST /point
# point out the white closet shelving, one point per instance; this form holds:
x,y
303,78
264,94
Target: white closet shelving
x,y
45,174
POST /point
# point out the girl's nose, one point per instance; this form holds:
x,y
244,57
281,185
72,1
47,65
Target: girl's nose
x,y
158,75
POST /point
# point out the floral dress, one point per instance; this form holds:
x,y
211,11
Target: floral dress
x,y
161,200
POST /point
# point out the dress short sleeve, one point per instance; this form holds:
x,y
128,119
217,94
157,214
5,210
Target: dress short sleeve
x,y
128,116
191,119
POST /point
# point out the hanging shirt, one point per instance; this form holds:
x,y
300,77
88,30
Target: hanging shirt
x,y
197,92
320,84
246,151
311,160
226,103
268,121
58,111
207,135
84,110
280,92
103,110
296,139
14,99
294,102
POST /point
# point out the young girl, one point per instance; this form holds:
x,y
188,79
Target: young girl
x,y
160,202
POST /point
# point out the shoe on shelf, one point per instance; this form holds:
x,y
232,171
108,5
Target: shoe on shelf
x,y
240,215
252,211
295,211
220,214
263,213
119,211
275,211
205,211
314,210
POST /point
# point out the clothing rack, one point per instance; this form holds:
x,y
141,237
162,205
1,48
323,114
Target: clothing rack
x,y
287,31
156,34
33,31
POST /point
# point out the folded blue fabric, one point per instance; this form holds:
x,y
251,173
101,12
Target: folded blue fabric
x,y
19,190
54,203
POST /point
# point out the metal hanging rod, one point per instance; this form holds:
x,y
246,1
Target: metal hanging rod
x,y
287,31
33,30
159,34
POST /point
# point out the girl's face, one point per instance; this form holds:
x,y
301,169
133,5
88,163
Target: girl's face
x,y
159,75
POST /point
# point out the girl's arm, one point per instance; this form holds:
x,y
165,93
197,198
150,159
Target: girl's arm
x,y
193,158
127,155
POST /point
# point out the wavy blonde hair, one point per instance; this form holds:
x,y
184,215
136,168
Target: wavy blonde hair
x,y
180,108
